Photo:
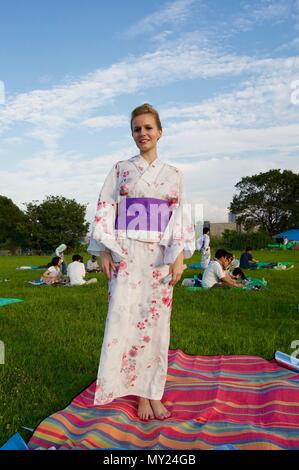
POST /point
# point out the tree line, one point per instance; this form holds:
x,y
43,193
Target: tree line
x,y
269,201
42,225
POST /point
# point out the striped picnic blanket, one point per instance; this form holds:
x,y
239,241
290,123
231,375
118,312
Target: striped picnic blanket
x,y
246,401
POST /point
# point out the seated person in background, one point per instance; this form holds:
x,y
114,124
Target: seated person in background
x,y
235,263
92,265
233,268
246,260
229,257
76,272
53,274
238,274
215,275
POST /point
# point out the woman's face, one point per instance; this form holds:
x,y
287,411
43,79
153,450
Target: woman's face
x,y
145,132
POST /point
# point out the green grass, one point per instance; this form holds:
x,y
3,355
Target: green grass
x,y
53,339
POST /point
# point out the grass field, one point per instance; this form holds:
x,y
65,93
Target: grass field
x,y
52,339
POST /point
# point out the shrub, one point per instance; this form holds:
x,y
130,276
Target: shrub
x,y
238,241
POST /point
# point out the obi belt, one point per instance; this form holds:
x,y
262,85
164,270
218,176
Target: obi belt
x,y
142,218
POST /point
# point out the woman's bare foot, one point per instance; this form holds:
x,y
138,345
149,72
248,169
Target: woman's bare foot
x,y
159,409
145,411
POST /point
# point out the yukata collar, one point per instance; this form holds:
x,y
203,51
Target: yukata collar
x,y
142,165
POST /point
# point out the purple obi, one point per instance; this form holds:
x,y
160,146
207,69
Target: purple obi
x,y
145,214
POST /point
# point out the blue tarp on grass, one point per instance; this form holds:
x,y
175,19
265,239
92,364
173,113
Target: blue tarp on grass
x,y
7,301
292,235
15,443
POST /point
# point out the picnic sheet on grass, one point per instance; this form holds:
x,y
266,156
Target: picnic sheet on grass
x,y
274,265
26,268
7,301
245,401
260,265
251,283
37,282
194,266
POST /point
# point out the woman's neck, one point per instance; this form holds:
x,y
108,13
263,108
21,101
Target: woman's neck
x,y
150,157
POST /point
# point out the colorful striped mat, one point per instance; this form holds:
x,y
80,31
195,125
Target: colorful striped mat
x,y
215,400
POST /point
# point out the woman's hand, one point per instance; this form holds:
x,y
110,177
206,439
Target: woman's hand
x,y
107,264
176,269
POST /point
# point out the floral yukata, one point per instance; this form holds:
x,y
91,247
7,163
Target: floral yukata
x,y
136,340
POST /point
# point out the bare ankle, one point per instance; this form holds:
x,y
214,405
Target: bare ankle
x,y
143,400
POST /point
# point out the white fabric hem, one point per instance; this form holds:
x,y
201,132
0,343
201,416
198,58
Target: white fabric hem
x,y
126,394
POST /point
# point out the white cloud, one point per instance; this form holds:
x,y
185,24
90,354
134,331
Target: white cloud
x,y
194,142
11,140
293,44
175,12
58,109
100,122
263,11
262,101
296,13
50,112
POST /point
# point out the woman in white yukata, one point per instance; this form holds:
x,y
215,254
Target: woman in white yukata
x,y
143,232
203,245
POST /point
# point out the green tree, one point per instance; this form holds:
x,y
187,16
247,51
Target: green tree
x,y
54,221
11,219
268,200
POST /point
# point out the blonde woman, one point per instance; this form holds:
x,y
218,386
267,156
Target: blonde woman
x,y
143,232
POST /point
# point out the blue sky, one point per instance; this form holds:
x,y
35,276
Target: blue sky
x,y
220,73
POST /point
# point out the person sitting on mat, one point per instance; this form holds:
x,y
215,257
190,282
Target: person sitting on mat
x,y
53,274
237,273
92,265
76,272
233,268
229,258
215,275
246,260
235,263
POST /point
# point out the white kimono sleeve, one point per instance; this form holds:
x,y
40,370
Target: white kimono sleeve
x,y
179,234
103,236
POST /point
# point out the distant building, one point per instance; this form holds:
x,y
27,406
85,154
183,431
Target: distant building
x,y
216,228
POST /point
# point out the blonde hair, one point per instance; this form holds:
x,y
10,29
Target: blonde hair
x,y
144,109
